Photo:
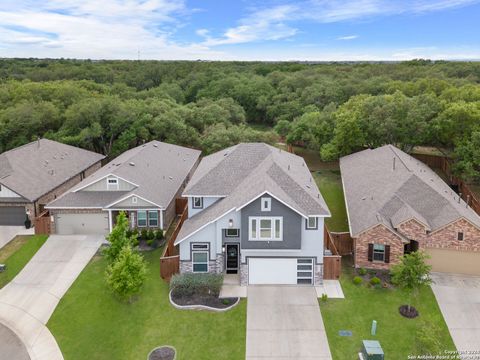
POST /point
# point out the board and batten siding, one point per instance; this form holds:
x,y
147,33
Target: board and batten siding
x,y
101,185
207,201
7,193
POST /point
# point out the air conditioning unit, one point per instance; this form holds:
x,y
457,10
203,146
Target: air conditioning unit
x,y
3,267
371,350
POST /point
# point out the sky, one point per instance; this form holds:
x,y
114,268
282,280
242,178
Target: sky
x,y
270,30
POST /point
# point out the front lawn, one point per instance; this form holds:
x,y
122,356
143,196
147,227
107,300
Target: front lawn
x,y
329,182
90,323
397,335
17,253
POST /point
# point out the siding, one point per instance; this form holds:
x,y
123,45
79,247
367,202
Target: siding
x,y
7,193
207,201
101,185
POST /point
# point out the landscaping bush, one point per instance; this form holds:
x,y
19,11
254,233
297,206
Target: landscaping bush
x,y
151,242
357,280
375,281
362,271
159,235
150,235
144,234
190,284
324,297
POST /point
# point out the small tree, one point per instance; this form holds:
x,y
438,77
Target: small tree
x,y
119,238
412,273
126,275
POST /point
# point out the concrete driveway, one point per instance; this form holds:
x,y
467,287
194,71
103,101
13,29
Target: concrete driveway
x,y
459,299
29,300
7,233
284,322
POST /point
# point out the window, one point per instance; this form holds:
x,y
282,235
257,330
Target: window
x,y
134,200
232,232
112,184
141,218
199,246
200,261
460,236
378,252
312,223
265,228
197,203
304,271
266,204
153,218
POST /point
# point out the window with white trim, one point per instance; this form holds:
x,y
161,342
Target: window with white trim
x,y
200,258
378,252
312,223
153,218
142,218
264,228
266,204
112,184
197,202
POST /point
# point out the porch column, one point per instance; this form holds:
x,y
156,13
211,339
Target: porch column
x,y
110,220
161,219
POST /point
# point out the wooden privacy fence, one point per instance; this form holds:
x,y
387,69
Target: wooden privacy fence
x,y
42,224
170,260
332,264
343,242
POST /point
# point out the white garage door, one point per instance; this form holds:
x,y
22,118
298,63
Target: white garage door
x,y
79,224
272,271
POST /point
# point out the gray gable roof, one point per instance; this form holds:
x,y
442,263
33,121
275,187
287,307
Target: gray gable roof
x,y
34,169
157,168
245,171
387,186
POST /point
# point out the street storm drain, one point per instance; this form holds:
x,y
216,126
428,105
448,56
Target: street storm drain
x,y
345,333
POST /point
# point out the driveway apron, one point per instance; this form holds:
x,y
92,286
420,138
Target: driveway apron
x,y
28,301
284,322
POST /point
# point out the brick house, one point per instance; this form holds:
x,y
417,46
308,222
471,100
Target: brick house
x,y
34,174
396,204
143,182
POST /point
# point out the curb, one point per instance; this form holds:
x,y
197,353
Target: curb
x,y
200,307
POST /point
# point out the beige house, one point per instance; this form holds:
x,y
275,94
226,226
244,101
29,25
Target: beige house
x,y
36,173
143,182
396,204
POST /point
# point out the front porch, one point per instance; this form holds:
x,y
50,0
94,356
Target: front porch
x,y
139,218
231,287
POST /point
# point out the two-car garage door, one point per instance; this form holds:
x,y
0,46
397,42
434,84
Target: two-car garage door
x,y
82,224
284,271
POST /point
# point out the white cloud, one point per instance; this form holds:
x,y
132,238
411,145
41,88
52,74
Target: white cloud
x,y
348,37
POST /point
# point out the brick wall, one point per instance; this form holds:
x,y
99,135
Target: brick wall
x,y
378,235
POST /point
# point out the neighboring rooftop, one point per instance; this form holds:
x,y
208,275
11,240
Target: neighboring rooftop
x,y
34,169
387,186
157,168
245,171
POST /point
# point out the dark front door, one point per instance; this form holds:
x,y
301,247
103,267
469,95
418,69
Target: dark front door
x,y
232,258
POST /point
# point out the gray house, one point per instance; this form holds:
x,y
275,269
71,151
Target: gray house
x,y
143,182
34,174
256,211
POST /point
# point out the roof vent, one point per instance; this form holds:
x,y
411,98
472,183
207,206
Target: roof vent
x,y
131,163
364,198
308,186
288,166
51,172
155,145
171,178
318,196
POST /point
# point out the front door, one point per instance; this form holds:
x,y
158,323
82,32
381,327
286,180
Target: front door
x,y
232,258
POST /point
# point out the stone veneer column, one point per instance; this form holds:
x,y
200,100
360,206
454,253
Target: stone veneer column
x,y
186,266
243,274
219,263
318,274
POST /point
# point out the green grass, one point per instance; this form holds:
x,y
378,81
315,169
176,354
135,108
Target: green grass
x,y
17,253
90,323
362,305
330,184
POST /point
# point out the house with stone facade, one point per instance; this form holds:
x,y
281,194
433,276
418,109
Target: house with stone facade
x,y
34,174
254,210
396,204
144,182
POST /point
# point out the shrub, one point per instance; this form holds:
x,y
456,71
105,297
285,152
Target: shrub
x,y
150,235
189,284
357,280
150,242
362,271
144,234
225,301
125,276
324,297
375,281
159,235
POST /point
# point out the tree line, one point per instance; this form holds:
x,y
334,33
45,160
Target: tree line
x,y
334,108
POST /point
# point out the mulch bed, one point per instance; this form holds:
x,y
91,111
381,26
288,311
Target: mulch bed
x,y
383,275
412,313
162,353
210,301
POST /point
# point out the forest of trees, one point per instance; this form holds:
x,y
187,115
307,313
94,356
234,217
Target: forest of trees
x,y
334,108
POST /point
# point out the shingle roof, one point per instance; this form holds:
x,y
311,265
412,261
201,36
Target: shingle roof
x,y
388,186
157,168
34,169
243,172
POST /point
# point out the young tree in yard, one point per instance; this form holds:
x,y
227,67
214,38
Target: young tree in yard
x,y
126,275
411,274
118,238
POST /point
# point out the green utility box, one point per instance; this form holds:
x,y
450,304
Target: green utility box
x,y
371,350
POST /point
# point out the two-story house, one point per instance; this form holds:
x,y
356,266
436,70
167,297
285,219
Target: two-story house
x,y
254,210
143,182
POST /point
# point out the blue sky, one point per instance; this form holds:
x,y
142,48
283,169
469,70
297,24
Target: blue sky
x,y
241,30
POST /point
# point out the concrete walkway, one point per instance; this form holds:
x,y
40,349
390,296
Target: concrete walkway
x,y
284,322
332,288
7,233
459,299
29,300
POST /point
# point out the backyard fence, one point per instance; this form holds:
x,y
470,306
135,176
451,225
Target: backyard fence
x,y
343,242
42,224
332,264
